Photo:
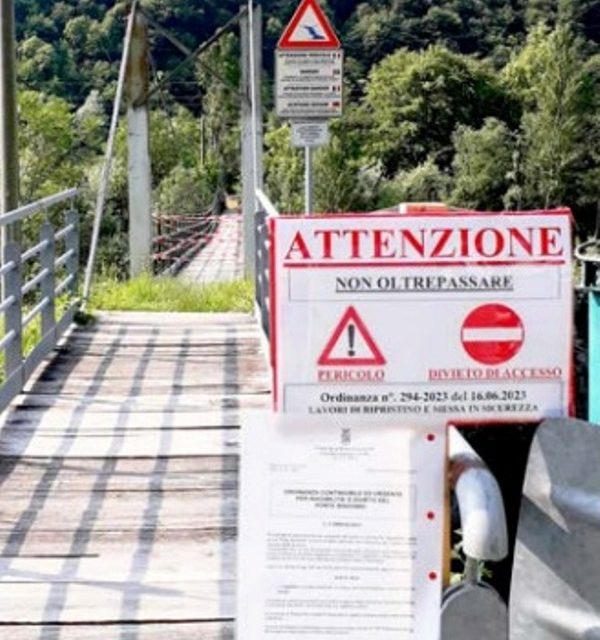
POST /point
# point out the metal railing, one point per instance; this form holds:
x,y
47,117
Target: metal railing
x,y
33,281
178,238
262,264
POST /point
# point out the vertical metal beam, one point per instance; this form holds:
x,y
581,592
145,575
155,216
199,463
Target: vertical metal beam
x,y
138,140
255,18
72,244
246,130
9,150
252,128
13,358
47,256
594,357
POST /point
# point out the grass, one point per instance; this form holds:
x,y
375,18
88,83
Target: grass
x,y
146,293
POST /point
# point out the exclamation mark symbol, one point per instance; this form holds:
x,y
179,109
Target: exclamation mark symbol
x,y
351,335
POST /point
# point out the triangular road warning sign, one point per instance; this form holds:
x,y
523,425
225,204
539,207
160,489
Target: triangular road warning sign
x,y
309,28
351,345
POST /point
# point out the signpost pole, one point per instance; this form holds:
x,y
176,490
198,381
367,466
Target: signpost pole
x,y
308,180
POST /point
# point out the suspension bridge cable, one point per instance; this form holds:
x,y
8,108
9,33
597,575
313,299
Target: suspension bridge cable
x,y
205,45
107,166
189,52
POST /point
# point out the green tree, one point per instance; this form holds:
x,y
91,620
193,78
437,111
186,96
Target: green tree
x,y
423,183
342,181
50,152
416,100
187,190
284,170
218,73
482,165
560,127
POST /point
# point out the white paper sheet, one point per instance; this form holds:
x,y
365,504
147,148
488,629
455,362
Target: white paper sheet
x,y
341,530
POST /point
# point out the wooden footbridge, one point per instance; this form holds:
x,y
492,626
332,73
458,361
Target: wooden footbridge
x,y
118,468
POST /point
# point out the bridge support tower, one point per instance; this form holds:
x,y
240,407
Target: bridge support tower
x,y
139,168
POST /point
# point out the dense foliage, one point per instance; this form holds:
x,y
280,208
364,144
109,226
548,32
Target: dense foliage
x,y
486,104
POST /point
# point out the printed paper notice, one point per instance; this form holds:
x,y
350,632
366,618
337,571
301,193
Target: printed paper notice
x,y
340,530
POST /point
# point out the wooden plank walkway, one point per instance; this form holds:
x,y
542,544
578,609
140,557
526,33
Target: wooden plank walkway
x,y
118,481
222,259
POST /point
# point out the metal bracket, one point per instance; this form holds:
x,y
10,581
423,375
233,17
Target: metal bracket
x,y
588,255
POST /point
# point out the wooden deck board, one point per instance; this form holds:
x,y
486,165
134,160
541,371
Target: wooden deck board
x,y
180,631
118,481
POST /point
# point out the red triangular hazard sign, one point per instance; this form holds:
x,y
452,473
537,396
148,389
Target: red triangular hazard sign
x,y
309,28
343,341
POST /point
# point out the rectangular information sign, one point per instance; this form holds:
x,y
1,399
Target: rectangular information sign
x,y
341,529
309,83
310,134
461,317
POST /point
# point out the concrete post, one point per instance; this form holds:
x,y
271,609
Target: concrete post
x,y
139,168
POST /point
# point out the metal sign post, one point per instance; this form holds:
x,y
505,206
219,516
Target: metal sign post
x,y
309,72
308,180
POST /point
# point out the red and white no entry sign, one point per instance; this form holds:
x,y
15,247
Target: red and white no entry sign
x,y
492,334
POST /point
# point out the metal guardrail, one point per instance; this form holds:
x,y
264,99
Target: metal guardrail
x,y
262,260
32,281
178,238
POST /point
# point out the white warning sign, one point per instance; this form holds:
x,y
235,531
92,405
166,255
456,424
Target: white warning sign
x,y
309,28
309,70
465,317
